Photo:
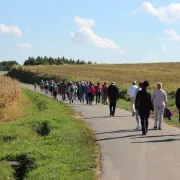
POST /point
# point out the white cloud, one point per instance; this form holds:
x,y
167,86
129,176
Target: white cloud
x,y
170,13
163,48
15,30
84,22
24,46
85,34
171,35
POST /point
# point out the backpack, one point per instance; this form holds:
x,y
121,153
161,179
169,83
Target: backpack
x,y
99,89
82,88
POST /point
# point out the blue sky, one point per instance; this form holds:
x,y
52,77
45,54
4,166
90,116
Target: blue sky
x,y
102,31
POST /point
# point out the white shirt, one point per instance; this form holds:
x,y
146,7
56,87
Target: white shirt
x,y
159,97
132,91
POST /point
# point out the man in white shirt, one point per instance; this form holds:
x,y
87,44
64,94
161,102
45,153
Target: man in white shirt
x,y
160,102
132,93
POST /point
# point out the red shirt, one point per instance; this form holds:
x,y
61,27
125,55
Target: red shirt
x,y
91,89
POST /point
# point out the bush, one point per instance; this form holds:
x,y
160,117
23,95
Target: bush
x,y
29,77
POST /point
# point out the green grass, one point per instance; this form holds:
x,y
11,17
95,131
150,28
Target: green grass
x,y
56,145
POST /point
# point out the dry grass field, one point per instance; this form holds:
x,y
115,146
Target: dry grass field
x,y
123,75
9,99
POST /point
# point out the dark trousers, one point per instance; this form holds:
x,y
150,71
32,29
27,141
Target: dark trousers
x,y
112,108
90,97
144,115
63,95
98,96
179,114
87,98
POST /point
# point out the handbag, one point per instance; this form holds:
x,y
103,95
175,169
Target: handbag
x,y
167,113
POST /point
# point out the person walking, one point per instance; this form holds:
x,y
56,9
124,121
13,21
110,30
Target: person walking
x,y
76,89
46,87
113,95
104,96
98,93
35,85
143,103
131,93
86,91
160,102
55,90
63,90
71,91
137,113
42,85
82,92
91,92
177,101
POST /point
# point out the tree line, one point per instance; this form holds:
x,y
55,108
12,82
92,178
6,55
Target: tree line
x,y
53,61
7,65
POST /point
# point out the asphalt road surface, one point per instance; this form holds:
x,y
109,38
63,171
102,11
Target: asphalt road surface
x,y
126,154
3,72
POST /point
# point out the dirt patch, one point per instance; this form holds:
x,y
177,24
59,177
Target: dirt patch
x,y
77,116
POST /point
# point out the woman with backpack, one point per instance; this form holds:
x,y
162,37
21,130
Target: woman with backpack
x,y
71,91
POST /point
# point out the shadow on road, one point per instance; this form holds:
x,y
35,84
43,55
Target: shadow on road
x,y
118,131
121,131
101,117
156,136
157,141
121,137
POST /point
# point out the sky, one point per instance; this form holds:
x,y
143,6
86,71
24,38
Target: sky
x,y
102,31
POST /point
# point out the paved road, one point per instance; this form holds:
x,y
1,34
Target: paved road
x,y
3,72
126,155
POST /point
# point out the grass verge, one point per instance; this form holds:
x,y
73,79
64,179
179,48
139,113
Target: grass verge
x,y
46,142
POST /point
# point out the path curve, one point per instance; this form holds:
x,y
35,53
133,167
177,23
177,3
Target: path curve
x,y
126,155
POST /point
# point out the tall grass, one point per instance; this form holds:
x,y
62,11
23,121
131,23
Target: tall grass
x,y
9,98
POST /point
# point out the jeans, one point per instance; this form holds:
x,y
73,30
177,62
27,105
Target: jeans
x,y
137,117
158,115
82,96
87,98
90,97
98,96
132,104
144,115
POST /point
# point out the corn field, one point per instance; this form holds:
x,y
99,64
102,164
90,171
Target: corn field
x,y
9,99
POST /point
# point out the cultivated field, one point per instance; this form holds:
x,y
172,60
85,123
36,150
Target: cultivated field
x,y
9,99
167,73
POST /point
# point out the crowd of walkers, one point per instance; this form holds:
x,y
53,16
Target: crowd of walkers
x,y
142,101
